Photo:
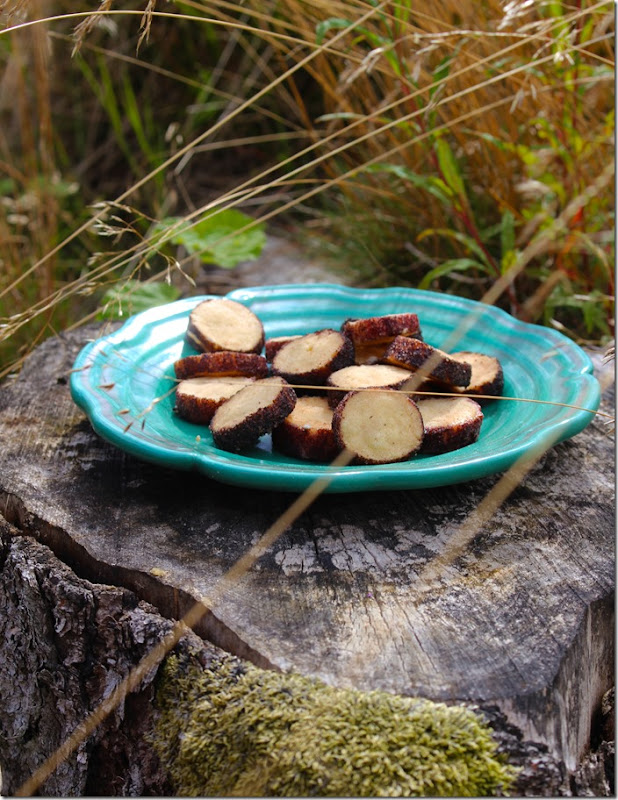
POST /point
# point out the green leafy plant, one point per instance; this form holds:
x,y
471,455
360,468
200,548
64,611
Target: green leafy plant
x,y
133,296
225,237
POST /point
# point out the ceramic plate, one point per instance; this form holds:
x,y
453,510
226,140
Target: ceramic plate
x,y
125,384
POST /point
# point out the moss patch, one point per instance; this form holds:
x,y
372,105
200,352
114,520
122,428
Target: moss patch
x,y
235,730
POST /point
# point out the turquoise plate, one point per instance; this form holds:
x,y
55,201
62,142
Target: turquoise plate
x,y
125,384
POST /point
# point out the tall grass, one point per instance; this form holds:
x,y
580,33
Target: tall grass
x,y
464,131
441,145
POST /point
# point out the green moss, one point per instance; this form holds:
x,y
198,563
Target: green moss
x,y
236,730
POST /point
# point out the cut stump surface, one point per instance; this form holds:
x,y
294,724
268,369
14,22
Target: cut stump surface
x,y
521,619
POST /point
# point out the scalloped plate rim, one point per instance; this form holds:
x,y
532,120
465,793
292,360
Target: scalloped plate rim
x,y
246,471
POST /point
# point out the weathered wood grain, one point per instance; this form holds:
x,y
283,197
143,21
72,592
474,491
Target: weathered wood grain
x,y
523,619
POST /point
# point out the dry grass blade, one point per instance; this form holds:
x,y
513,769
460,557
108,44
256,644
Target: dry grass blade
x,y
146,23
84,28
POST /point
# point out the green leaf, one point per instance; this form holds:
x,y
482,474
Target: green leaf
x,y
361,33
450,168
440,73
452,265
224,238
132,113
589,245
527,154
322,28
594,317
7,186
593,307
508,260
507,233
471,244
431,184
131,297
501,144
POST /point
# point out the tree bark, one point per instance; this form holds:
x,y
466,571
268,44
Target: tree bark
x,y
64,645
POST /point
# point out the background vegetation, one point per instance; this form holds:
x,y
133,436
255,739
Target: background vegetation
x,y
440,145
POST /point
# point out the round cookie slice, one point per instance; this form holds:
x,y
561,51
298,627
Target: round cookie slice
x,y
222,324
364,376
273,344
307,432
197,399
487,376
253,411
371,330
450,423
378,427
415,355
311,358
221,364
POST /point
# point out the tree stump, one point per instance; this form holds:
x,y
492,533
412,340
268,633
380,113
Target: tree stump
x,y
521,622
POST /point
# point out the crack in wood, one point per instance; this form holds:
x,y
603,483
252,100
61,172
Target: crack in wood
x,y
170,601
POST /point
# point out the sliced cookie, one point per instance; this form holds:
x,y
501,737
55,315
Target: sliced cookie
x,y
221,364
487,375
222,324
364,376
253,411
273,344
450,423
197,399
307,432
435,364
384,328
378,427
311,358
